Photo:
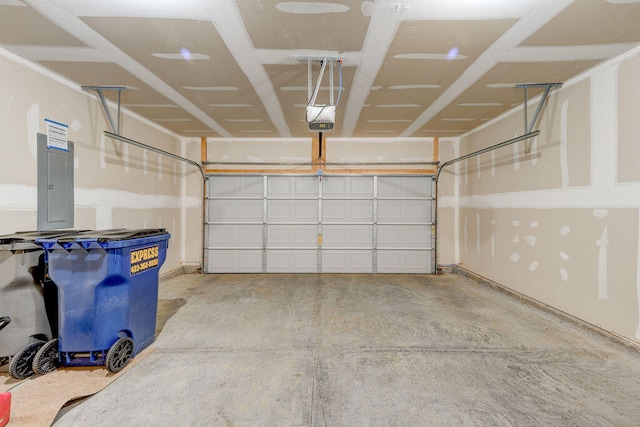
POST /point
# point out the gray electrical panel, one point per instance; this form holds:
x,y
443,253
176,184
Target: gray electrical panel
x,y
55,186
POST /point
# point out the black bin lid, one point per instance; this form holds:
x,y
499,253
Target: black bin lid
x,y
23,240
112,235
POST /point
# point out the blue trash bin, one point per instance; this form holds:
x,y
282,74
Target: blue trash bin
x,y
107,296
27,300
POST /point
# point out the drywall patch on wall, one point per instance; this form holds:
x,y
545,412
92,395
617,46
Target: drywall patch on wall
x,y
564,166
466,234
604,126
478,232
175,174
103,159
466,169
533,266
534,224
493,238
18,197
75,125
493,163
638,280
564,274
534,151
104,217
603,242
145,156
515,257
126,158
33,127
531,240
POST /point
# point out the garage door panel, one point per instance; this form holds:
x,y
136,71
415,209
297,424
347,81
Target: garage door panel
x,y
292,236
292,261
352,224
235,236
292,211
292,186
234,261
347,261
348,187
235,211
347,236
234,186
404,211
347,211
403,186
394,261
404,236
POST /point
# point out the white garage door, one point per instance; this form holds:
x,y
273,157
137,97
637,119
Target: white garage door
x,y
309,224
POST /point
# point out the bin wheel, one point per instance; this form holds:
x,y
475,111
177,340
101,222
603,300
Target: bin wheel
x,y
21,365
47,358
119,354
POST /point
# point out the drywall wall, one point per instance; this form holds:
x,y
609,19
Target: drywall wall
x,y
257,153
296,154
379,153
448,230
556,218
116,185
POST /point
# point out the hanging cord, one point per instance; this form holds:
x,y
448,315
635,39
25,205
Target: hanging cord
x,y
315,91
339,84
317,115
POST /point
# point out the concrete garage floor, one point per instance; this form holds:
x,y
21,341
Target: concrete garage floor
x,y
355,350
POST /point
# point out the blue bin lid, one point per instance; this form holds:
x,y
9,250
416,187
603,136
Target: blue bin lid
x,y
106,239
25,240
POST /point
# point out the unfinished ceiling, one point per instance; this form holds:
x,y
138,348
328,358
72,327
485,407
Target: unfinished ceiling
x,y
411,67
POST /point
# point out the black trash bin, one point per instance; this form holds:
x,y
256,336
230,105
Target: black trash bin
x,y
28,300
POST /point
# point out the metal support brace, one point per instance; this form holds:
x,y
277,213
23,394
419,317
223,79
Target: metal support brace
x,y
309,79
312,92
99,90
312,100
528,126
